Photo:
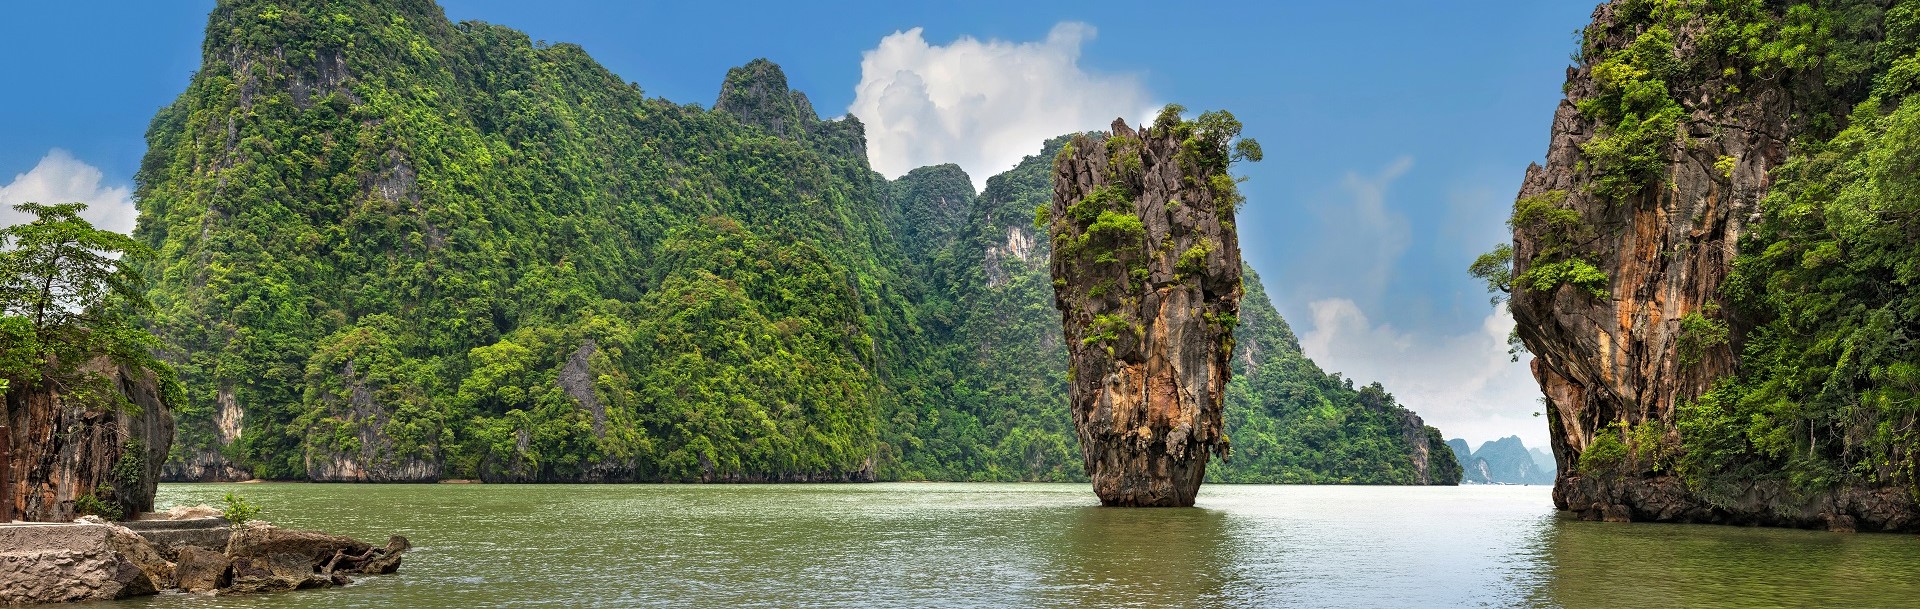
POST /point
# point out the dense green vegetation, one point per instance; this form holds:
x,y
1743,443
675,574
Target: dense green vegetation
x,y
1824,394
992,401
393,246
1830,373
359,200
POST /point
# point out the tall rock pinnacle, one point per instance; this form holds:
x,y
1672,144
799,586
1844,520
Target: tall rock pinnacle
x,y
1146,268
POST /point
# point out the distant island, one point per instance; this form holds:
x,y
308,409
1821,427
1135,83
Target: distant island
x,y
1503,461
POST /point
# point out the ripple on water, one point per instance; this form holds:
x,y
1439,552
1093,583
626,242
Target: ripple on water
x,y
1047,545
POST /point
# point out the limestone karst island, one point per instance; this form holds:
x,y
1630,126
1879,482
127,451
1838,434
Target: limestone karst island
x,y
465,303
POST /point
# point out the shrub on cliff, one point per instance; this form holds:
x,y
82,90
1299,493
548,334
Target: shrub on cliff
x,y
66,297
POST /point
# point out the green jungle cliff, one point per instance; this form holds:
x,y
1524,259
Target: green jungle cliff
x,y
389,247
1715,268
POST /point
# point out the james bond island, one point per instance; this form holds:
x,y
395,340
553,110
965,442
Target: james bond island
x,y
1146,274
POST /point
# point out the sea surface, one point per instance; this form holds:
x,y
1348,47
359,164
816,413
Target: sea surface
x,y
1047,545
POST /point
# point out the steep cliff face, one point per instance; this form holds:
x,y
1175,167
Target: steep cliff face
x,y
1677,124
1146,267
1609,354
384,239
79,448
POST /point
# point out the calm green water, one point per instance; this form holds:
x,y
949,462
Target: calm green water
x,y
1046,545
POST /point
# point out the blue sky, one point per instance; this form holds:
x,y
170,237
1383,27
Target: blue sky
x,y
1396,132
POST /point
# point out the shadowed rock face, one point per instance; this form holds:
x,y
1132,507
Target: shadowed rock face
x,y
1146,269
67,445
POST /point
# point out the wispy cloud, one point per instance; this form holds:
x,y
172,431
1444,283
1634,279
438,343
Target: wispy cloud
x,y
60,178
1358,236
983,104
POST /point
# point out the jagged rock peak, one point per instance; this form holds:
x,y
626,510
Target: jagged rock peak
x,y
757,93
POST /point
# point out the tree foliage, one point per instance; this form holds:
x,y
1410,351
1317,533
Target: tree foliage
x,y
67,296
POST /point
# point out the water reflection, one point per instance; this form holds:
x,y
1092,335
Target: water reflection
x,y
1120,557
1660,565
1046,545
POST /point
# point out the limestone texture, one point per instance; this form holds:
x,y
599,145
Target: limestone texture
x,y
73,450
1613,360
201,570
266,558
93,559
1146,268
65,563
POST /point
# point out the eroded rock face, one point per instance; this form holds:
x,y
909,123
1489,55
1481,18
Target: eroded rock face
x,y
1615,361
1666,251
1146,268
72,451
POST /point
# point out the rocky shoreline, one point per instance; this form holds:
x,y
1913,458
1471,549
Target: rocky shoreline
x,y
190,550
1665,498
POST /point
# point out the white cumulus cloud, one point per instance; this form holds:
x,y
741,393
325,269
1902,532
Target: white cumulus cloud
x,y
1464,384
60,178
983,104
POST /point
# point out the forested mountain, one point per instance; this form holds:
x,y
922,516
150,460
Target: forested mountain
x,y
391,247
1292,423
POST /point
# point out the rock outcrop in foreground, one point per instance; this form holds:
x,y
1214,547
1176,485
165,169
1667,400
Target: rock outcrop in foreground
x,y
94,559
1146,268
79,448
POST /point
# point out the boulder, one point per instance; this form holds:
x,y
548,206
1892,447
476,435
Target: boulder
x,y
201,570
135,549
64,563
266,558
